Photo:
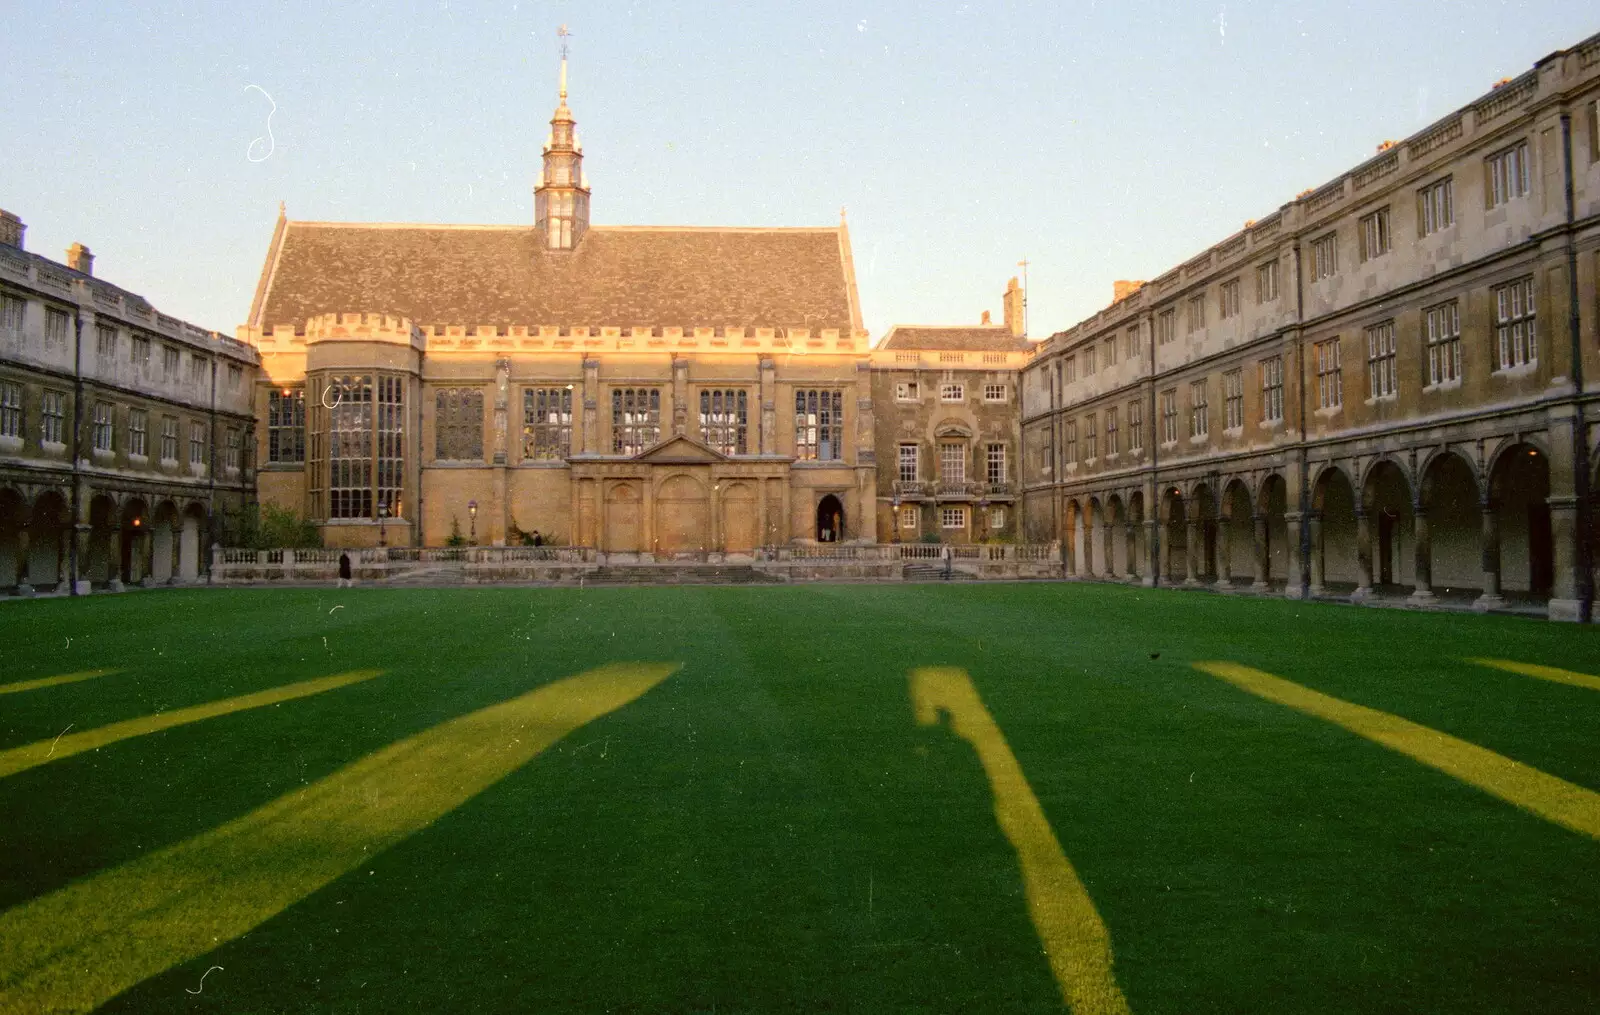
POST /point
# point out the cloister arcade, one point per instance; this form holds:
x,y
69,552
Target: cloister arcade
x,y
122,538
1376,527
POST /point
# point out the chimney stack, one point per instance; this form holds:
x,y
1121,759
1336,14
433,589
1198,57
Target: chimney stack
x,y
80,259
1122,289
11,229
1013,307
985,318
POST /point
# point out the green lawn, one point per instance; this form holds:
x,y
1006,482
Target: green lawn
x,y
770,830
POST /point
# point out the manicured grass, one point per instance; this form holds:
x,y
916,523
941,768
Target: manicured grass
x,y
770,830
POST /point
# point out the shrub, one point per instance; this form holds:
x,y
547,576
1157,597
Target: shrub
x,y
456,538
270,527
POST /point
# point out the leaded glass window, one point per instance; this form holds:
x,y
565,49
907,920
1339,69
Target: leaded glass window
x,y
819,425
286,425
635,419
350,447
458,424
546,423
724,420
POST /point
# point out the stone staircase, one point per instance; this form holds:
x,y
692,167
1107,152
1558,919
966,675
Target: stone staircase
x,y
935,573
677,574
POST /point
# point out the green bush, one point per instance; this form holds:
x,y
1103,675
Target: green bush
x,y
270,527
930,537
456,538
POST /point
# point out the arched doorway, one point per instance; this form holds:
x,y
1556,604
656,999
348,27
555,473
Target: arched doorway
x,y
1174,541
189,543
1333,531
683,516
1070,516
1272,505
1138,550
1387,547
132,564
830,520
1117,558
13,518
104,525
163,541
1236,535
1453,554
1519,491
47,542
1205,532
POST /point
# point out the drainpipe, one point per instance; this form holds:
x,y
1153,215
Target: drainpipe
x,y
77,424
1305,467
1580,444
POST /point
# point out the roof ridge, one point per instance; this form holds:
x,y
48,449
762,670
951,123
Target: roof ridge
x,y
593,229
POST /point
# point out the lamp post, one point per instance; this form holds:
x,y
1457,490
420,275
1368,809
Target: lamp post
x,y
894,520
472,513
383,517
983,512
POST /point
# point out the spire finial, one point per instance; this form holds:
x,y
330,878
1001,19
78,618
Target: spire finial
x,y
282,209
563,35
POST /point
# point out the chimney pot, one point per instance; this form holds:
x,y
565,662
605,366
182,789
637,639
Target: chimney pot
x,y
80,259
11,229
985,319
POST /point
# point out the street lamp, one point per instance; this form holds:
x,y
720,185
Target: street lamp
x,y
472,513
383,516
983,512
894,520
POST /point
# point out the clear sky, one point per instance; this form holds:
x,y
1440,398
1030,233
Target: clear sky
x,y
1098,140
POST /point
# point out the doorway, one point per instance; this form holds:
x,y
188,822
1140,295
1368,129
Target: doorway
x,y
830,520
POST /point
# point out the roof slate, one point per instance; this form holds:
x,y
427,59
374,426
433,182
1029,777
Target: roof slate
x,y
970,338
618,276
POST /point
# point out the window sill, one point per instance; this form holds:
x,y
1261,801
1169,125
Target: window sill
x,y
1452,384
139,460
1329,412
11,443
102,455
1517,372
1376,399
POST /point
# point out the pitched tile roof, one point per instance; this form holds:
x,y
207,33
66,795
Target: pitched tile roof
x,y
969,338
619,275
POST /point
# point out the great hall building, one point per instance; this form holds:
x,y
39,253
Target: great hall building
x,y
1386,387
643,390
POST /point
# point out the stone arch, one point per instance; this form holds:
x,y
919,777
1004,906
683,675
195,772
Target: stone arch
x,y
132,564
1519,491
1174,542
1334,534
191,542
1138,538
104,524
1450,496
49,528
1386,501
1272,529
13,537
1071,518
1236,533
682,515
1093,526
830,519
165,523
1118,559
1204,505
740,524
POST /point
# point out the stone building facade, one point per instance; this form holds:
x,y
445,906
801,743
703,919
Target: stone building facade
x,y
123,432
948,441
1386,387
647,391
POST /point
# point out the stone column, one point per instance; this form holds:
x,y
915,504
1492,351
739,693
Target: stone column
x,y
1315,522
1422,594
1363,557
1224,553
24,560
114,560
769,411
1491,598
1152,561
647,516
1260,584
1193,550
1110,550
1295,587
1088,547
1166,553
1565,601
1130,533
591,404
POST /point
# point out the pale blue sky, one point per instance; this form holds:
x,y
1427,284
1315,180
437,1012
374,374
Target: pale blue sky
x,y
1101,141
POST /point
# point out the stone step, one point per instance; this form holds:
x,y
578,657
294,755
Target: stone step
x,y
934,572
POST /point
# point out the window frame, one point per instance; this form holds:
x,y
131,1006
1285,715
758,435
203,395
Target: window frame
x,y
1328,358
1436,209
1516,324
1441,337
1383,381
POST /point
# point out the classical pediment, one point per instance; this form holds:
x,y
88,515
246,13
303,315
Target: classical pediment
x,y
679,450
952,427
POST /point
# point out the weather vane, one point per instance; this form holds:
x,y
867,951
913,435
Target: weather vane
x,y
563,35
